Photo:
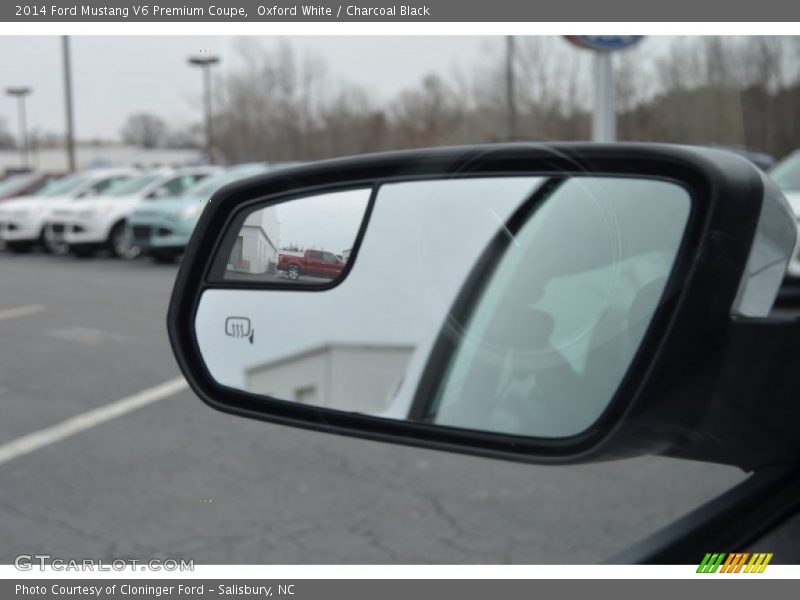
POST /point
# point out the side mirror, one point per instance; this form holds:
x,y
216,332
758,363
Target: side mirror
x,y
546,303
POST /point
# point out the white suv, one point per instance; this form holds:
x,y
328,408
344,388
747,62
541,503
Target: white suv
x,y
23,220
101,222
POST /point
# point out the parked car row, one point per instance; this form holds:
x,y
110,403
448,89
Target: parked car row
x,y
23,220
124,210
102,221
25,183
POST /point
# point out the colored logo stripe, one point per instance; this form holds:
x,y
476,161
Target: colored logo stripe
x,y
737,561
734,562
758,563
710,562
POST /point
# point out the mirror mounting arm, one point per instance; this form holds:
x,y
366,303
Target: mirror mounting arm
x,y
753,418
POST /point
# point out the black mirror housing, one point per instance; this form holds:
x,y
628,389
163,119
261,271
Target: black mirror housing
x,y
678,397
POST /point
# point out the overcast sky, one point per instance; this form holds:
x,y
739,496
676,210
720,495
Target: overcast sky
x,y
116,76
326,222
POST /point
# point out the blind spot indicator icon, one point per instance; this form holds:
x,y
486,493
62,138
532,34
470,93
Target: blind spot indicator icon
x,y
239,327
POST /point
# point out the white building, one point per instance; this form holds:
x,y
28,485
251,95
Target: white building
x,y
256,249
351,377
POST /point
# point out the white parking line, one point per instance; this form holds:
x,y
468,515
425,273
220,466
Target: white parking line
x,y
50,435
20,311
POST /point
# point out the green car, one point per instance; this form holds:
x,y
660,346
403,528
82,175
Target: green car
x,y
162,229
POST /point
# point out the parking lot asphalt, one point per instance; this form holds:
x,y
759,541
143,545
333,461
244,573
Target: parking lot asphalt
x,y
279,277
174,478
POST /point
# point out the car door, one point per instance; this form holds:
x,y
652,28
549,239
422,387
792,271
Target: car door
x,y
315,263
331,265
175,186
100,186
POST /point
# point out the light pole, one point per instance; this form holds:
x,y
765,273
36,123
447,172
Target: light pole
x,y
70,132
20,93
511,101
604,120
205,62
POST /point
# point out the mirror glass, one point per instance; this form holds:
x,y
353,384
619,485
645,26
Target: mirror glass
x,y
512,305
302,241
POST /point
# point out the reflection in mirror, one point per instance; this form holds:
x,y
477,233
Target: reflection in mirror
x,y
539,335
555,328
306,240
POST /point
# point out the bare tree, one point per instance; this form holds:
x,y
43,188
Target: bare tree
x,y
426,116
349,123
269,109
702,90
145,130
721,90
